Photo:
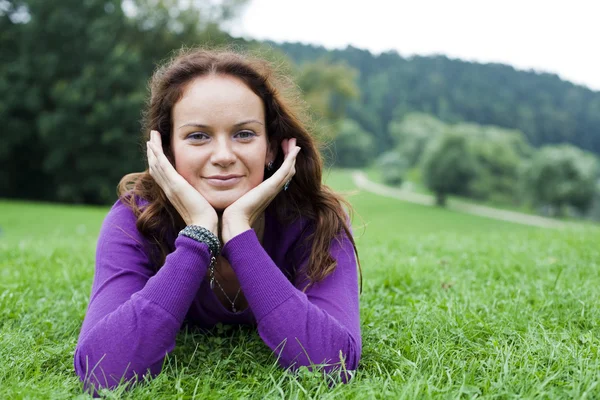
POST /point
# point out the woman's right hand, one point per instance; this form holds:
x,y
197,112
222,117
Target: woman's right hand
x,y
189,203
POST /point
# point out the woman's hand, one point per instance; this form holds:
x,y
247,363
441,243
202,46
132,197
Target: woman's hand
x,y
189,203
240,215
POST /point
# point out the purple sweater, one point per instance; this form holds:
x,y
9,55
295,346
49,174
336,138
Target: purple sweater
x,y
135,313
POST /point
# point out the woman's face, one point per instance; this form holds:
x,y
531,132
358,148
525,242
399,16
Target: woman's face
x,y
219,138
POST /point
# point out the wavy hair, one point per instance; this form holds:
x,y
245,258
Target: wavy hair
x,y
285,118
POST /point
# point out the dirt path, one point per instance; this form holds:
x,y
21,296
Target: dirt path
x,y
361,181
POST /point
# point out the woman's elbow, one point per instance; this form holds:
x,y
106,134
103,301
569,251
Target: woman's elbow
x,y
105,372
330,361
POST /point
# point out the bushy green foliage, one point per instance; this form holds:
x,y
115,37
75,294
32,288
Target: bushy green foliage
x,y
354,147
73,83
411,134
542,106
448,165
499,153
327,88
393,167
495,164
560,176
68,95
72,87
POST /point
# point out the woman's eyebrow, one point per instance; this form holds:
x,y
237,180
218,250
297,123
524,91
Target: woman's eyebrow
x,y
199,125
248,122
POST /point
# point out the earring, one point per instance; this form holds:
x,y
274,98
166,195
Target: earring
x,y
270,165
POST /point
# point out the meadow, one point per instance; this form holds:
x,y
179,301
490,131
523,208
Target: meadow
x,y
453,306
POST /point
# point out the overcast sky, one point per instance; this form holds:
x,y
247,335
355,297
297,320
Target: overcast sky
x,y
562,37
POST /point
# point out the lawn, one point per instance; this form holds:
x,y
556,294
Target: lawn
x,y
453,306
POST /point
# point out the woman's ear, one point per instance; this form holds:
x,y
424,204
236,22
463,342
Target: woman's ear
x,y
271,152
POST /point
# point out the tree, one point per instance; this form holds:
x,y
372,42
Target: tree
x,y
67,83
354,147
411,134
448,166
499,153
560,176
327,88
73,82
393,168
544,107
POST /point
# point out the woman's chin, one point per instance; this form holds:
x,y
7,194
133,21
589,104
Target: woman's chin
x,y
220,203
220,206
220,200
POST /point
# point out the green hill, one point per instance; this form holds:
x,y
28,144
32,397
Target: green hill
x,y
543,106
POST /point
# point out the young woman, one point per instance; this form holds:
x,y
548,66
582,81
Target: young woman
x,y
230,223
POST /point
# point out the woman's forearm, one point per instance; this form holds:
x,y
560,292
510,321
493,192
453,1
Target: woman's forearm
x,y
319,327
135,335
302,334
126,343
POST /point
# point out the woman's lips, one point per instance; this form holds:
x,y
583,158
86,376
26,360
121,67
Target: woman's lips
x,y
224,181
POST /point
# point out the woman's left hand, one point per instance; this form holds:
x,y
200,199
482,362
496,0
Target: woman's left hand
x,y
240,215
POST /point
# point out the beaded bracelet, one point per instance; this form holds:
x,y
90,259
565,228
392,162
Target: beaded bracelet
x,y
203,235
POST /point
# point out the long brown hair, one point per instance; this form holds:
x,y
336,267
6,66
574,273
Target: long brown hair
x,y
285,117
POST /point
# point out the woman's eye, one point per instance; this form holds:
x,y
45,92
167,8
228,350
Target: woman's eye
x,y
197,136
245,134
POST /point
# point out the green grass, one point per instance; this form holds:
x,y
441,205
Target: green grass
x,y
453,306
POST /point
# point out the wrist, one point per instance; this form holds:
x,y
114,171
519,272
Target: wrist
x,y
203,235
231,229
211,226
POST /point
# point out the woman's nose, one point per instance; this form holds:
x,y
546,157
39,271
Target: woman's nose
x,y
223,154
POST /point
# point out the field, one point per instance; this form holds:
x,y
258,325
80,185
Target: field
x,y
453,306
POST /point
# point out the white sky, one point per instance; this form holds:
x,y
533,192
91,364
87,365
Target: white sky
x,y
562,37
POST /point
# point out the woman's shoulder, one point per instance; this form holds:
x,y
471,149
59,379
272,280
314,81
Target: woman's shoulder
x,y
123,207
121,219
299,225
120,244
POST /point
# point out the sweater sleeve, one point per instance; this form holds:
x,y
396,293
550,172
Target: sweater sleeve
x,y
319,326
134,314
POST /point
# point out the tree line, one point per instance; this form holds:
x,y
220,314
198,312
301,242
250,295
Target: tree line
x,y
485,163
545,108
73,81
